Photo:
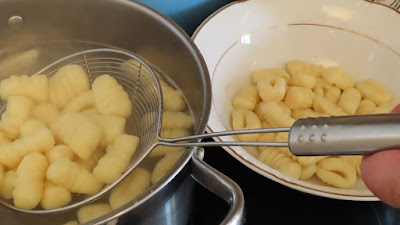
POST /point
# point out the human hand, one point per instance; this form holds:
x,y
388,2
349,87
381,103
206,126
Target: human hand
x,y
381,173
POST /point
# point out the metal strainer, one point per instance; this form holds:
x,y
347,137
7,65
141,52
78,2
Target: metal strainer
x,y
312,136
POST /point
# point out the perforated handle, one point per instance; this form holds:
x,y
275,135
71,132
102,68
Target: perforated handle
x,y
347,135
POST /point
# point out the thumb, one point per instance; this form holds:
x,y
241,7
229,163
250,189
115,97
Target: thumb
x,y
381,173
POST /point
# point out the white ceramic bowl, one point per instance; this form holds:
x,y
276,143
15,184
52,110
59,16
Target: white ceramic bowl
x,y
359,36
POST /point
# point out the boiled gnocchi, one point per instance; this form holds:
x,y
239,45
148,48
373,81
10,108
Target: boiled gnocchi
x,y
34,87
46,112
245,119
17,112
132,186
116,160
59,152
78,132
73,177
7,185
304,90
169,133
59,137
54,196
69,82
12,153
246,98
91,212
172,99
110,97
164,165
29,181
80,103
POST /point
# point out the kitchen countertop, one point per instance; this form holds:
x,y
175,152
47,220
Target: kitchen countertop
x,y
267,202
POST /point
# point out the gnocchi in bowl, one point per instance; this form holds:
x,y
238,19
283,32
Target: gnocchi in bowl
x,y
277,97
298,44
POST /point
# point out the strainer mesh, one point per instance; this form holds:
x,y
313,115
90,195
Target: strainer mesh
x,y
137,79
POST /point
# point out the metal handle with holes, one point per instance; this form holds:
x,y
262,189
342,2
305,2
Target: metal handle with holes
x,y
347,135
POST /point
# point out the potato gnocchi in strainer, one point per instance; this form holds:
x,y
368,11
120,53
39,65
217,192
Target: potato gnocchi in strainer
x,y
67,135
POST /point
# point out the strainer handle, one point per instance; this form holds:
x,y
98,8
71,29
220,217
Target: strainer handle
x,y
173,141
336,135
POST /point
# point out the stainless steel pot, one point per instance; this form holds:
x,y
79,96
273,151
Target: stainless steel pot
x,y
60,27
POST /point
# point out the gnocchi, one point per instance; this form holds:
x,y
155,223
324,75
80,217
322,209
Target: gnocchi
x,y
303,79
116,159
373,91
295,66
310,91
264,73
131,187
41,141
46,112
366,106
30,127
308,171
34,87
176,120
350,100
280,161
78,132
110,97
384,108
304,113
272,89
324,106
246,98
59,152
354,160
172,133
336,172
333,94
92,161
54,196
164,165
336,76
74,178
58,137
244,119
68,82
90,212
274,114
17,112
7,185
299,98
80,103
29,181
111,127
4,139
172,99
